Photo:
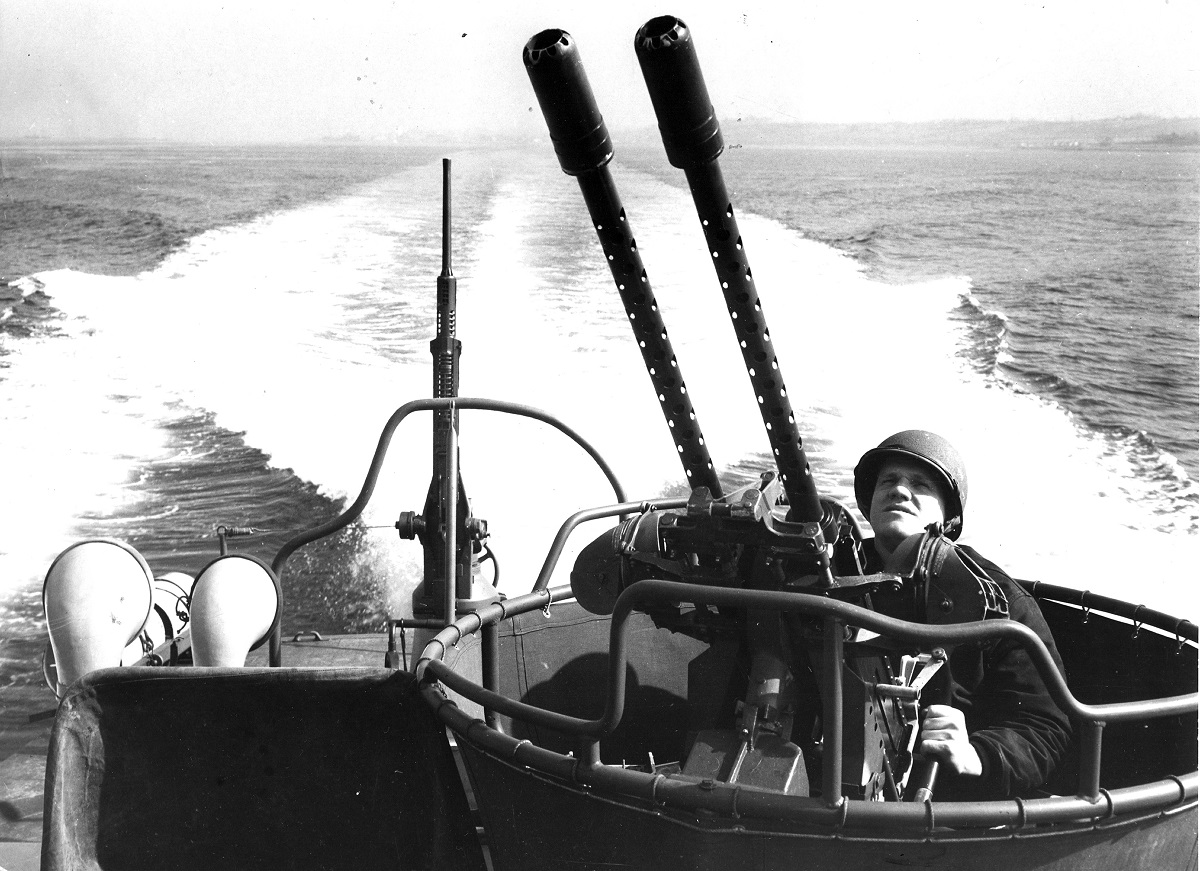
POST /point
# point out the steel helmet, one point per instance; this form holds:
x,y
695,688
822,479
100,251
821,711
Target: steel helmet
x,y
933,452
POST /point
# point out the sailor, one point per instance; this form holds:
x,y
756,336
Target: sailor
x,y
999,734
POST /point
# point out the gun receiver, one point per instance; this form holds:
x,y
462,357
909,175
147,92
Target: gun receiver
x,y
584,149
692,138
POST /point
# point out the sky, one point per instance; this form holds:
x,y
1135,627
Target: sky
x,y
266,70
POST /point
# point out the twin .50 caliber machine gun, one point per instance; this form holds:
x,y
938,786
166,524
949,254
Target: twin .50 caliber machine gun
x,y
779,536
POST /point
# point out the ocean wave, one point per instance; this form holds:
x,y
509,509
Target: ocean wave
x,y
862,245
1051,385
1161,471
102,237
25,287
987,347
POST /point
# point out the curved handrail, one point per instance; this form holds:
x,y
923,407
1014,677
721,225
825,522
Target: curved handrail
x,y
835,613
573,522
814,605
364,497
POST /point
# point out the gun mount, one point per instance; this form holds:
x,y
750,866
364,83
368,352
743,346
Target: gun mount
x,y
778,536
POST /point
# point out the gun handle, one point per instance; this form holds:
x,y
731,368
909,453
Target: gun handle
x,y
923,782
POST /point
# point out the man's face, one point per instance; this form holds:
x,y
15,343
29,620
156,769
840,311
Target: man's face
x,y
906,500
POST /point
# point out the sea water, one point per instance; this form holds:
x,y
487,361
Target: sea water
x,y
198,336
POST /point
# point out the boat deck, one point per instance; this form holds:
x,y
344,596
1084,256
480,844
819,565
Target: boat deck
x,y
25,737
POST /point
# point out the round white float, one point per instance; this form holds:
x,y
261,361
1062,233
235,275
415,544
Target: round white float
x,y
97,596
234,603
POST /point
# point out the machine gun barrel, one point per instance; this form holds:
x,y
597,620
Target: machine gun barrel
x,y
584,150
693,141
445,348
448,546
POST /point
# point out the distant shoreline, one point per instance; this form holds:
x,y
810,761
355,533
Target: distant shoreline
x,y
1123,134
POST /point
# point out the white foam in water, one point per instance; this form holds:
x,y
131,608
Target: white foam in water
x,y
260,324
522,345
71,434
1048,499
246,322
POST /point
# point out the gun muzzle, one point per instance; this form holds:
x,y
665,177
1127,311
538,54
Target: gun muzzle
x,y
693,142
686,120
576,127
584,149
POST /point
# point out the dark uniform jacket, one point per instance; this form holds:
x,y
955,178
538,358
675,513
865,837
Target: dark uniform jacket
x,y
1017,729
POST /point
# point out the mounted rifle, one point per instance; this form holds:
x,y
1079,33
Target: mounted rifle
x,y
452,539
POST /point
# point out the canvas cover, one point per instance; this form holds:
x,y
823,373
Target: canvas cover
x,y
194,768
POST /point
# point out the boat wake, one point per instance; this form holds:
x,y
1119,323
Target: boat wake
x,y
302,331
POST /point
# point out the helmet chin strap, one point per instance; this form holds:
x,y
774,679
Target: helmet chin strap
x,y
952,587
937,529
907,558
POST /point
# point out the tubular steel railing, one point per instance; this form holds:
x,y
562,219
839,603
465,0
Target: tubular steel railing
x,y
573,522
364,497
831,808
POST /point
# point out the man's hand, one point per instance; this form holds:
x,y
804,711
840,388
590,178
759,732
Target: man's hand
x,y
944,737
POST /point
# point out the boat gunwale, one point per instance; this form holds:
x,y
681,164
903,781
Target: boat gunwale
x,y
749,811
586,771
